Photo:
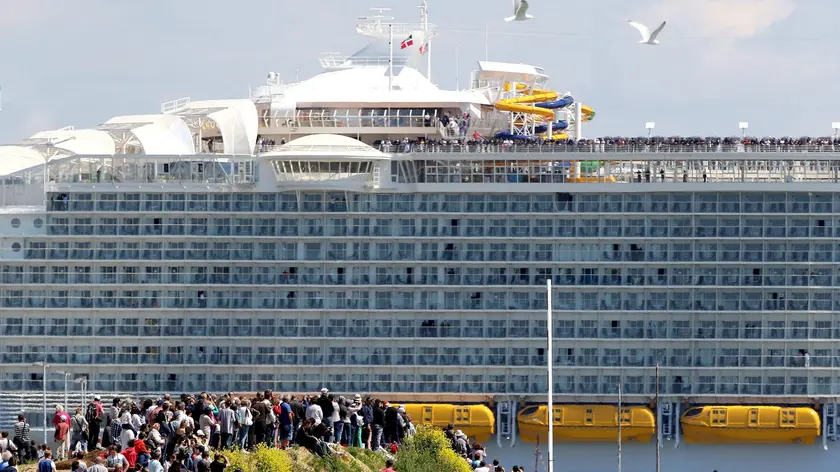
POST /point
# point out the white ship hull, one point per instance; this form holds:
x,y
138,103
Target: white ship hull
x,y
574,457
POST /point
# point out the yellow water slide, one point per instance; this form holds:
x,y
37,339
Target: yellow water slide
x,y
524,103
542,103
587,113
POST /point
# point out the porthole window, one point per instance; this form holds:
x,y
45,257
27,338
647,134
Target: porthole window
x,y
16,247
38,222
15,222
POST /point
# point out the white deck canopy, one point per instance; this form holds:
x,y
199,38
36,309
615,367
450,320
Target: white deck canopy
x,y
236,121
368,87
17,158
327,146
155,134
72,141
522,73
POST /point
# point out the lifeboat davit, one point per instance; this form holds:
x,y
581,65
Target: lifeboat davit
x,y
587,423
476,421
720,424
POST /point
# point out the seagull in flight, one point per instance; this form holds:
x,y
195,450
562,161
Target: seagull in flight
x,y
520,11
647,37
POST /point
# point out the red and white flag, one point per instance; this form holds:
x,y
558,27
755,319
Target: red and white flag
x,y
407,42
424,48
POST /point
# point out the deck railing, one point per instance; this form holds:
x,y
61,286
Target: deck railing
x,y
595,147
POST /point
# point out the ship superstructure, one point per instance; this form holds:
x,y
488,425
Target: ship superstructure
x,y
336,232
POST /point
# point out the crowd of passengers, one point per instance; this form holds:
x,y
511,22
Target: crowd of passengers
x,y
177,435
614,143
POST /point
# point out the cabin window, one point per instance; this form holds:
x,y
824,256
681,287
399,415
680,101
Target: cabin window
x,y
788,417
624,416
693,412
530,410
753,416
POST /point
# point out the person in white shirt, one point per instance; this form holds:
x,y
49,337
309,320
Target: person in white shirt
x,y
127,436
6,444
137,421
245,418
315,413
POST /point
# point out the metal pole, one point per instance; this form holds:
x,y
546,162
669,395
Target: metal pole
x,y
427,40
390,57
619,427
486,41
66,405
656,443
429,59
457,65
44,382
550,335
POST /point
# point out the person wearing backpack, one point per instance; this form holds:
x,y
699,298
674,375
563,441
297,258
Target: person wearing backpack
x,y
93,416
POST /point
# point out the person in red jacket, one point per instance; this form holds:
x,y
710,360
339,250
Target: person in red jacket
x,y
130,455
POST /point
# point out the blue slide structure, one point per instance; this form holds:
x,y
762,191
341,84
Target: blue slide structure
x,y
556,126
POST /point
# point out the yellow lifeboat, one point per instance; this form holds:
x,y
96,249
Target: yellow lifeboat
x,y
586,423
476,421
720,424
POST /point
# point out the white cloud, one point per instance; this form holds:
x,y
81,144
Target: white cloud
x,y
17,13
724,18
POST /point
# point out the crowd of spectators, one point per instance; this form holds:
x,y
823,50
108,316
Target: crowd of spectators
x,y
476,143
178,434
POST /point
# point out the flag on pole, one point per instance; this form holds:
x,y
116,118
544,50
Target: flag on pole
x,y
424,48
407,42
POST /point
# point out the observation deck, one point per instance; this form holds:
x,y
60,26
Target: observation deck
x,y
337,61
610,164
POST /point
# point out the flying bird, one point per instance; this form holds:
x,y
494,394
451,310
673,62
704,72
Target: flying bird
x,y
647,37
520,11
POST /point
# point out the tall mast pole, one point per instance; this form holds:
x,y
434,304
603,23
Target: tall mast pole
x,y
427,38
486,41
390,57
656,442
550,378
619,426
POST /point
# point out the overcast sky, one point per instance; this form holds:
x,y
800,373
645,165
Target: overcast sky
x,y
773,63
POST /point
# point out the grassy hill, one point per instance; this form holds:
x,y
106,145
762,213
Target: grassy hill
x,y
427,451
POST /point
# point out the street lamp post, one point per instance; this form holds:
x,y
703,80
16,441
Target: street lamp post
x,y
67,376
649,127
743,125
44,365
83,381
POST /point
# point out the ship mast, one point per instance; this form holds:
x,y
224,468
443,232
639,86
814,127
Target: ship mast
x,y
427,38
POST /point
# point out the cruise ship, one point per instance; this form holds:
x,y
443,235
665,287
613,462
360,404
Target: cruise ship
x,y
367,231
